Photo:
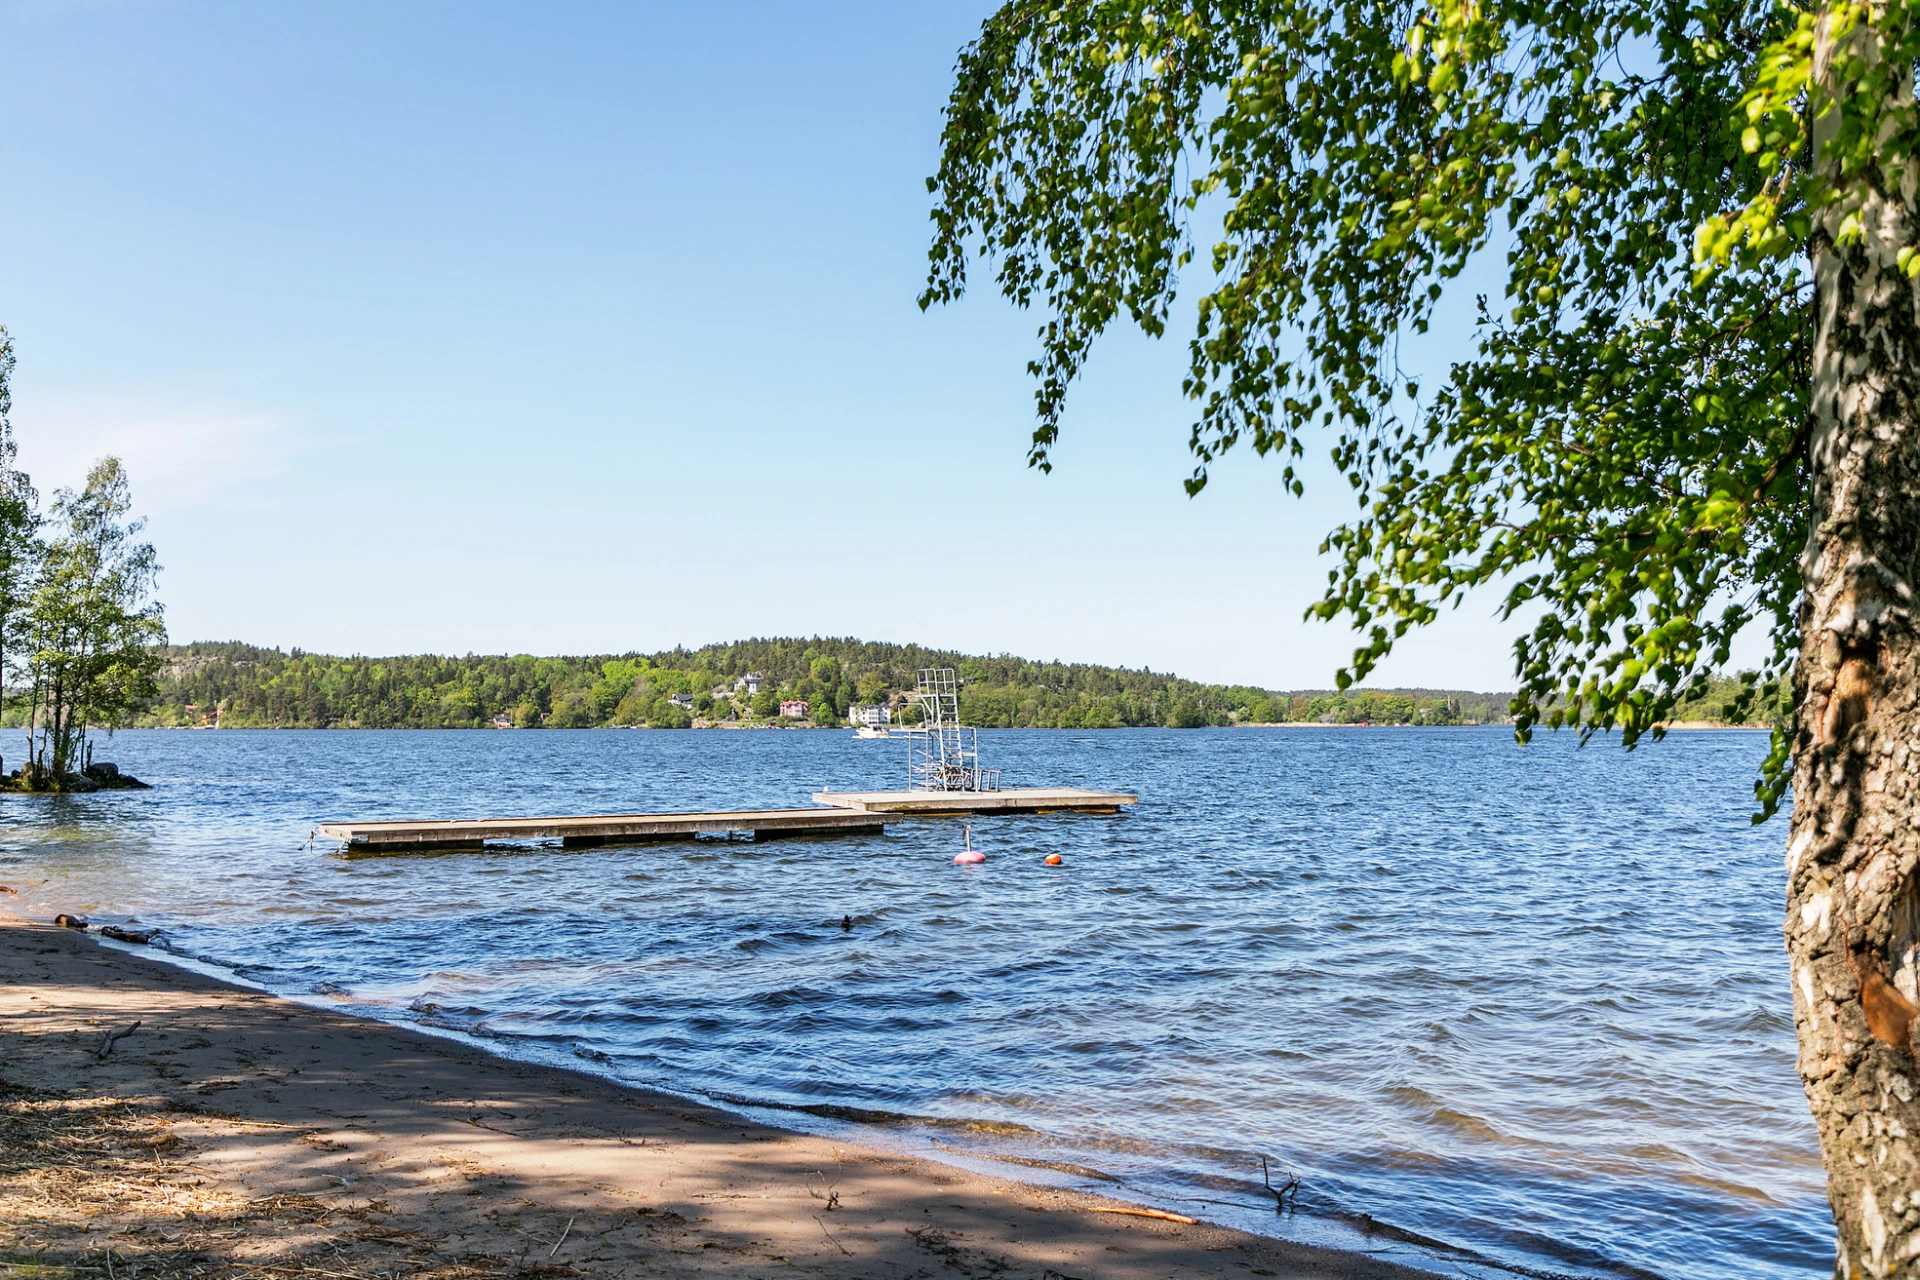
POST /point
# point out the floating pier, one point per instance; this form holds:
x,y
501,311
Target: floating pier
x,y
614,828
1015,800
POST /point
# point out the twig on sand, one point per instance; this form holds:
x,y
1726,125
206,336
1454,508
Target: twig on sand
x,y
832,1197
562,1240
830,1238
1145,1213
1291,1187
106,1046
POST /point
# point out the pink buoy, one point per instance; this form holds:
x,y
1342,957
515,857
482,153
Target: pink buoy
x,y
969,855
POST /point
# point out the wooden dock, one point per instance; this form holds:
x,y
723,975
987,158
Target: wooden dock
x,y
613,828
946,803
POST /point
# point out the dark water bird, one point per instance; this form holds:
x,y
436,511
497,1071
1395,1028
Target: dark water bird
x,y
846,923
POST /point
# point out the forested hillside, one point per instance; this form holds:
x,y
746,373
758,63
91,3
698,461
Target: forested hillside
x,y
245,686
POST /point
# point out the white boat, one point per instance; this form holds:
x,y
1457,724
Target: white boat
x,y
870,731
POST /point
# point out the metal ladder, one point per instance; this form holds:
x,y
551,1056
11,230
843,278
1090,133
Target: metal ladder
x,y
941,754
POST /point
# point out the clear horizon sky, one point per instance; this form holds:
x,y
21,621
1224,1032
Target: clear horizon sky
x,y
592,328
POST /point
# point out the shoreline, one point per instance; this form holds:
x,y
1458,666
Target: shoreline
x,y
899,730
367,1147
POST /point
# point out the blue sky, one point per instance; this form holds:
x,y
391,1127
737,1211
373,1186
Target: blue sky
x,y
592,328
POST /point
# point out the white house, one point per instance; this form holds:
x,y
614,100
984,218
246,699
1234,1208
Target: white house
x,y
871,716
795,710
748,684
684,701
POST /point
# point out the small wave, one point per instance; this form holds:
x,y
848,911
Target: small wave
x,y
1029,1162
872,1116
1372,1226
1439,1114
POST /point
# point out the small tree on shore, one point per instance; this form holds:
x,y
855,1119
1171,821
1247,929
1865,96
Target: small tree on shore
x,y
93,632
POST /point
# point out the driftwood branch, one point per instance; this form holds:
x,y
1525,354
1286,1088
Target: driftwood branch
x,y
1290,1189
1146,1213
830,1237
106,1046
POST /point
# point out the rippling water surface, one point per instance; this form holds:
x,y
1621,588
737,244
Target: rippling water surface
x,y
1530,1003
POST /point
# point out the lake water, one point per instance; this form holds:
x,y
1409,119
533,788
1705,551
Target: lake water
x,y
1530,1003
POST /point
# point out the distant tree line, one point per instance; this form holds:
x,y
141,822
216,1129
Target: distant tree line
x,y
245,686
1723,701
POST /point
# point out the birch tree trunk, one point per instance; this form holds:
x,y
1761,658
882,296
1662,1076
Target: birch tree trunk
x,y
1853,899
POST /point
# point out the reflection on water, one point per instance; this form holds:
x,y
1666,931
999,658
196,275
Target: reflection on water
x,y
1531,1003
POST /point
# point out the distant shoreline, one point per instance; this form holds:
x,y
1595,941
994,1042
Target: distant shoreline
x,y
1359,724
757,681
899,731
1496,724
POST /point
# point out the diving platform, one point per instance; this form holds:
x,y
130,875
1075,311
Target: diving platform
x,y
616,828
948,803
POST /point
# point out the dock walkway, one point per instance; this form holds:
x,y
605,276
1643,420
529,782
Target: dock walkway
x,y
1017,800
613,828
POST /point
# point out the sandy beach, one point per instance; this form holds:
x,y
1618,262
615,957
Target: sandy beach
x,y
232,1133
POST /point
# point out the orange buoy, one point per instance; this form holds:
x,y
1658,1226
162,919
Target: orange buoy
x,y
1053,859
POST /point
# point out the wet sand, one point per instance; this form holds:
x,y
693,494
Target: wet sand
x,y
237,1134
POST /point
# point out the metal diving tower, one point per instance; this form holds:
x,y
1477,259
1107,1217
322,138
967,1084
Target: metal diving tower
x,y
941,754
